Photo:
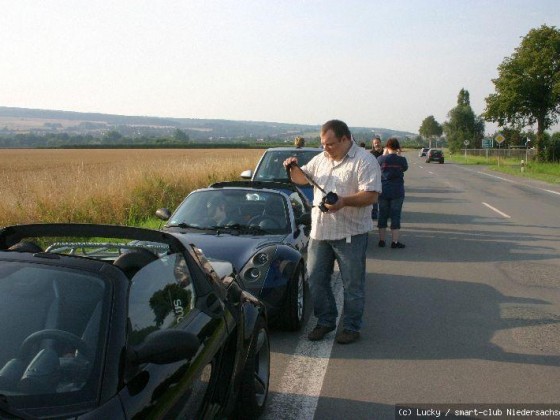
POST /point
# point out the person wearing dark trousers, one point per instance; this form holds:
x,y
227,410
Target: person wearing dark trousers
x,y
376,151
391,199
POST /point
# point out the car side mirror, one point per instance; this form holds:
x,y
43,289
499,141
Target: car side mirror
x,y
247,174
163,214
165,346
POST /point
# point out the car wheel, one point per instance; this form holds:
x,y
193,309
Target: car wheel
x,y
253,390
292,318
441,161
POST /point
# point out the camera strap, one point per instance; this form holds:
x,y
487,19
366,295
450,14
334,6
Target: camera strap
x,y
308,177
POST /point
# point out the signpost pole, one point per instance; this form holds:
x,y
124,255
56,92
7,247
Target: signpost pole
x,y
499,144
499,139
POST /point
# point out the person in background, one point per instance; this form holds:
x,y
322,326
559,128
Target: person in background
x,y
391,199
299,142
341,233
217,213
376,151
363,144
376,146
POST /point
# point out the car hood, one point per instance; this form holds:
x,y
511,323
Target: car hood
x,y
235,249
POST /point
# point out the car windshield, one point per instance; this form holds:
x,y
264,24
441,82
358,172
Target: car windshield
x,y
236,211
271,168
52,325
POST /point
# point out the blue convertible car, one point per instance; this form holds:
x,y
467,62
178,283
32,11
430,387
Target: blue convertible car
x,y
262,228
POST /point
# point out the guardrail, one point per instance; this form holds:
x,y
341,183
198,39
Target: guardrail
x,y
525,154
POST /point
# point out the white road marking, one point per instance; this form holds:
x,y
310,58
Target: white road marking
x,y
521,183
550,191
499,177
496,210
301,384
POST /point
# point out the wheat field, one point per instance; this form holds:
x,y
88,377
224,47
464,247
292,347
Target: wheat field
x,y
117,186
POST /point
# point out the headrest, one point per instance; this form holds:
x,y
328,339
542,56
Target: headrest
x,y
131,262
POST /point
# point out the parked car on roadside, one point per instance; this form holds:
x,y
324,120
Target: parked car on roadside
x,y
435,155
262,228
270,166
423,152
117,322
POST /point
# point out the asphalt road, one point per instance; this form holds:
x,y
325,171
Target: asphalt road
x,y
468,313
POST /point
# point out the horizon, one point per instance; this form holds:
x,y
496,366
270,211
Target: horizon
x,y
369,64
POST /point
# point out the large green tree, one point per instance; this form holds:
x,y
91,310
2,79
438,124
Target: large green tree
x,y
528,84
463,124
430,128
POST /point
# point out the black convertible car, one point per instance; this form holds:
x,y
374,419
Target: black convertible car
x,y
262,228
93,324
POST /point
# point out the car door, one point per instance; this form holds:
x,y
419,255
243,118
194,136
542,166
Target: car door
x,y
163,295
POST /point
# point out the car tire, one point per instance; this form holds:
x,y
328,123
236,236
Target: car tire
x,y
254,380
441,161
294,311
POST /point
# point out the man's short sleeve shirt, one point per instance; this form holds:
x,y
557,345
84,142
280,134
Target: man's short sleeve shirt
x,y
358,171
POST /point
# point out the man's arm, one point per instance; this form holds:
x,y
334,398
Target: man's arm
x,y
359,199
296,174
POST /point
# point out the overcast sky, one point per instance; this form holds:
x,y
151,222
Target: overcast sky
x,y
386,64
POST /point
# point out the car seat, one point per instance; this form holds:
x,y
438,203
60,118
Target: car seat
x,y
273,215
131,262
24,246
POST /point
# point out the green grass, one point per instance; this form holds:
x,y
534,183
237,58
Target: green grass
x,y
548,172
151,223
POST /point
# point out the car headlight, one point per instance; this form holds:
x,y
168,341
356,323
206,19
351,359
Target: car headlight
x,y
257,267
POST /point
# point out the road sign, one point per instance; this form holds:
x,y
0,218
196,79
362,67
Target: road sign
x,y
499,138
466,142
487,143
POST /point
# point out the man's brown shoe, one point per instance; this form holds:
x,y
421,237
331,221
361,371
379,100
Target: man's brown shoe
x,y
347,337
319,332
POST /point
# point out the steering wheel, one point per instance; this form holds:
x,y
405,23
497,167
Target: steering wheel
x,y
259,219
57,335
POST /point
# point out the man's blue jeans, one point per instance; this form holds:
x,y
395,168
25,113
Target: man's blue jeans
x,y
351,258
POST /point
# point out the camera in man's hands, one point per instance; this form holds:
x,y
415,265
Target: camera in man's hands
x,y
330,199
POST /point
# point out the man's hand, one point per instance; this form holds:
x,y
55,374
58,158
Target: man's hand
x,y
290,161
296,174
359,199
333,208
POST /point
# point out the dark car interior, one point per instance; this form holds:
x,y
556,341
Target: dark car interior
x,y
57,313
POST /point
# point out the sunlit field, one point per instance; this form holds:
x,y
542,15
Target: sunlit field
x,y
122,186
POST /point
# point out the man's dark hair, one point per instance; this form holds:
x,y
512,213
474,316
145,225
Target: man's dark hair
x,y
339,128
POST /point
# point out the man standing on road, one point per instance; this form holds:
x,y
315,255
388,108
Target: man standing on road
x,y
376,146
376,151
341,232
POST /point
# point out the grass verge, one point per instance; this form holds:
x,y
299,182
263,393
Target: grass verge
x,y
547,172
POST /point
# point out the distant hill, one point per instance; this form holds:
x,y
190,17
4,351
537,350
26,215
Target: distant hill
x,y
15,121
